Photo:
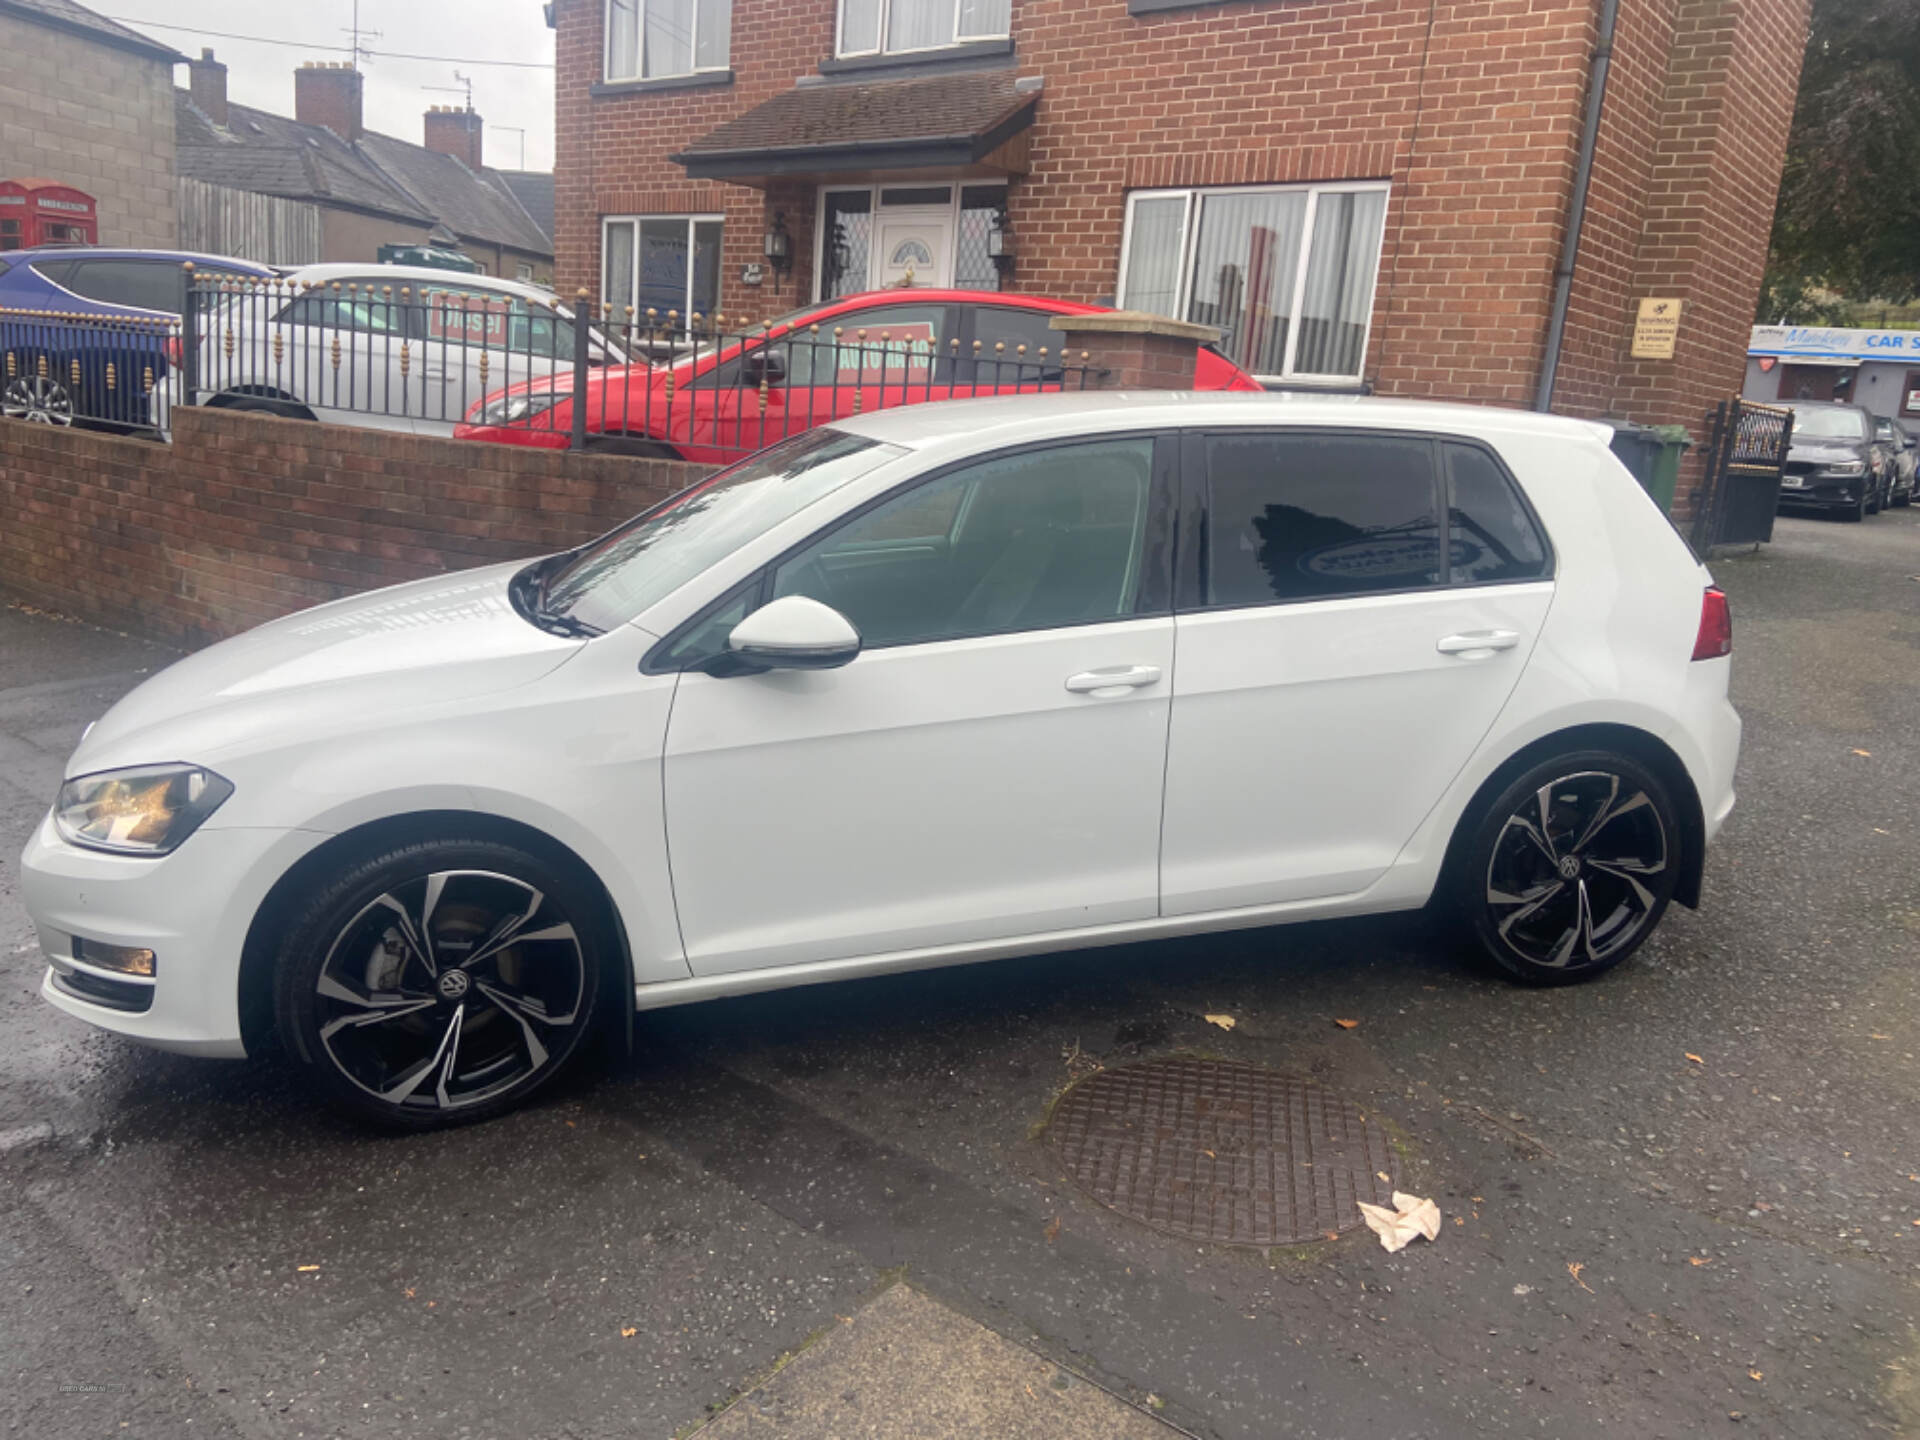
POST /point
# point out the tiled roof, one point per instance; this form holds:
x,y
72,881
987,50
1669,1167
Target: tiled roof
x,y
955,107
473,206
65,15
534,190
272,155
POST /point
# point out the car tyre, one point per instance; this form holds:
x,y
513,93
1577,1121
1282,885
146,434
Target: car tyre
x,y
442,981
1569,868
636,447
1858,513
41,399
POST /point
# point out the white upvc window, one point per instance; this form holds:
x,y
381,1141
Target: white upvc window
x,y
654,39
1286,272
663,263
893,27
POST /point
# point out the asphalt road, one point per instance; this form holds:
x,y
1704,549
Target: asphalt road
x,y
1646,1243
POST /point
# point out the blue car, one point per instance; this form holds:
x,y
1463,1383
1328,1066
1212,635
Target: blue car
x,y
88,334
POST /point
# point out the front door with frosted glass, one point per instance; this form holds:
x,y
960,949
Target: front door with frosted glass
x,y
913,248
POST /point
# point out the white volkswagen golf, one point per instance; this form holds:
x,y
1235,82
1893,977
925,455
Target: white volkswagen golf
x,y
940,684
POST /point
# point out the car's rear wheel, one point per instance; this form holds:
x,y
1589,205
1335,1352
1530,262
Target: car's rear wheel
x,y
637,447
442,981
1858,513
1570,867
43,399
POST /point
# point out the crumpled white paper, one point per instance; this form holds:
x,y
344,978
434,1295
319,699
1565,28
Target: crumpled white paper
x,y
1410,1216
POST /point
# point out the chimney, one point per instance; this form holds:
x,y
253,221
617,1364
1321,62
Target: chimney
x,y
328,94
452,130
207,83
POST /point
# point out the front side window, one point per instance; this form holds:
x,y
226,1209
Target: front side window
x,y
1286,273
1314,517
364,305
889,27
1033,541
652,39
614,579
669,264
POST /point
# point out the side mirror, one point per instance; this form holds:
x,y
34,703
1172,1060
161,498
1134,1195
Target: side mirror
x,y
795,633
764,364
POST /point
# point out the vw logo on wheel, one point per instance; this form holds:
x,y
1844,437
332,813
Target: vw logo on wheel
x,y
453,984
1569,870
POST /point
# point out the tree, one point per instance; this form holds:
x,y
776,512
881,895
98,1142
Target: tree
x,y
1848,220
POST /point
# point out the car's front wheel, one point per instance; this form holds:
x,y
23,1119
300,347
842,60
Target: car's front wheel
x,y
1570,868
41,398
441,981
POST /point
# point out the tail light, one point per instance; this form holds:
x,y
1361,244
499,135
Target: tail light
x,y
174,352
1716,626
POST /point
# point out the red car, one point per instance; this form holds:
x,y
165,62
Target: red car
x,y
862,352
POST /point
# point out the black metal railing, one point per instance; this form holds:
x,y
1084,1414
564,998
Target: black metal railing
x,y
1746,455
65,368
452,357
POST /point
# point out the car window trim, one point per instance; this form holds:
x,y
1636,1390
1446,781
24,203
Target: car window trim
x,y
1156,560
1190,579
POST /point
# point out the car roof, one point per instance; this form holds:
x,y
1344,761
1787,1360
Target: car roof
x,y
107,252
923,296
341,270
1015,418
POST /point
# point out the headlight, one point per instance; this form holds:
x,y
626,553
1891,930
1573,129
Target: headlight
x,y
1848,467
515,409
145,811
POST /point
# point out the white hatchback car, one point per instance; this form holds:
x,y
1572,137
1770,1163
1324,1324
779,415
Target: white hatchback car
x,y
937,684
387,347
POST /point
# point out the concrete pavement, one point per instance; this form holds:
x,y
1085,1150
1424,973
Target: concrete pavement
x,y
1645,1242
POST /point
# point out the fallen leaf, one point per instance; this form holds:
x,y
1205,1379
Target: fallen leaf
x,y
1879,1037
410,1288
1574,1267
1755,1375
1459,1219
1383,1177
1762,1206
1708,1259
1225,1022
1864,754
1209,1154
1346,1024
627,1332
1053,1230
1335,1234
1695,1058
304,1269
1878,831
572,1126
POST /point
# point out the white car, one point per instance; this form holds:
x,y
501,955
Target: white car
x,y
937,684
388,347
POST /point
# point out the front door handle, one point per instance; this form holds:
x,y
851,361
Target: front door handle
x,y
1116,681
1478,644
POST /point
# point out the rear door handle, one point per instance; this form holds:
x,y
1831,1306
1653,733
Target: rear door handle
x,y
1478,644
1116,681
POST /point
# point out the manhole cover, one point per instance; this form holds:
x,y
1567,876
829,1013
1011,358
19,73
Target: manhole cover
x,y
1218,1151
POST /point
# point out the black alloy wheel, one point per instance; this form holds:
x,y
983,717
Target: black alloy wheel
x,y
441,982
42,399
1572,867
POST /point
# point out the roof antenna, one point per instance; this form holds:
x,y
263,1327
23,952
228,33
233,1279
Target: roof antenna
x,y
360,51
463,85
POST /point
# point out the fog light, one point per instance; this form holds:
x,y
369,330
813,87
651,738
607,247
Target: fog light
x,y
126,959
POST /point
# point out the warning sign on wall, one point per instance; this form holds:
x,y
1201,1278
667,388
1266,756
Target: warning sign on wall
x,y
1656,329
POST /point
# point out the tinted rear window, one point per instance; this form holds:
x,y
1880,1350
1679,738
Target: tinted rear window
x,y
1307,517
1491,537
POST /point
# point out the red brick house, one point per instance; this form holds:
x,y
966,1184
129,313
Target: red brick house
x,y
1355,191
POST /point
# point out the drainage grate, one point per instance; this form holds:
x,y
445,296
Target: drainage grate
x,y
1219,1151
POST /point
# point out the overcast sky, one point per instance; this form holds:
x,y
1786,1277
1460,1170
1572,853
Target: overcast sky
x,y
261,74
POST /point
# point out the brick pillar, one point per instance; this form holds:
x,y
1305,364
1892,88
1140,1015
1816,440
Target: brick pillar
x,y
457,131
1137,351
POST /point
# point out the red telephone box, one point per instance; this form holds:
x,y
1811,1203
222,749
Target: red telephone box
x,y
45,212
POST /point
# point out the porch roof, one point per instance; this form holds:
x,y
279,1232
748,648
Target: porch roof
x,y
822,127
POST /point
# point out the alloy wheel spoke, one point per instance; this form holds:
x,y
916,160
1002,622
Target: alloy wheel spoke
x,y
525,1011
374,1009
1632,877
1543,837
508,930
1530,904
1612,811
414,933
1580,935
443,1054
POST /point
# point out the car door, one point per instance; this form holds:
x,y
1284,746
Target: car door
x,y
336,348
1007,350
1338,664
989,766
850,363
117,361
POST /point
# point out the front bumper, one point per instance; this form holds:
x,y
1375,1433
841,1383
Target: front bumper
x,y
1823,492
191,908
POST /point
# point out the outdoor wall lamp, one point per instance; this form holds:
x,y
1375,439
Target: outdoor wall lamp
x,y
779,246
1000,247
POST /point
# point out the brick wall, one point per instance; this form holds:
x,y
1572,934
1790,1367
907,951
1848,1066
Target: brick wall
x,y
1472,108
94,117
247,517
